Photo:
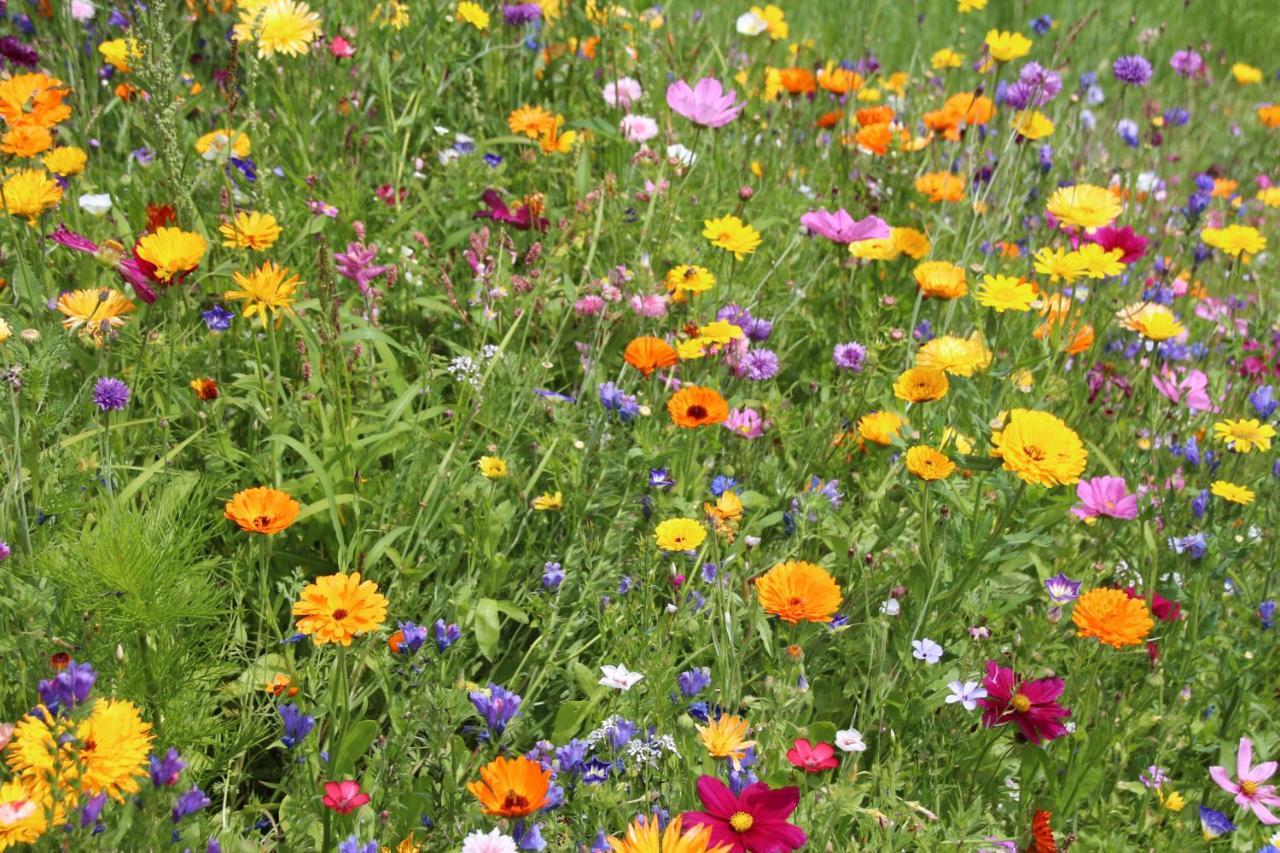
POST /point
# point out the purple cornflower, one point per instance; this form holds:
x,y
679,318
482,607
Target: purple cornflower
x,y
1132,70
412,637
1062,589
1035,87
446,635
552,575
572,755
217,318
694,681
18,53
497,705
1267,614
759,365
1263,400
1127,130
68,688
517,14
528,836
351,844
297,725
850,356
660,478
1188,63
165,771
110,395
357,264
189,803
613,400
1195,545
92,809
1041,25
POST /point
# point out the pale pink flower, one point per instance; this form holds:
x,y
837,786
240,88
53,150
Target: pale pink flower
x,y
1249,790
589,306
637,128
649,305
745,423
1107,496
840,227
1189,390
622,92
706,103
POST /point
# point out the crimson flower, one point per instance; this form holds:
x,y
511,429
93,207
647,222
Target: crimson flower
x,y
812,757
1031,705
344,797
755,822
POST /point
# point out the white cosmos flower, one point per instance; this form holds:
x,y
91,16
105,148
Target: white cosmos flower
x,y
96,205
619,677
850,740
751,24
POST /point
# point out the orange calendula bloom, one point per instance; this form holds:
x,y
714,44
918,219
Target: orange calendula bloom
x,y
335,608
26,141
1113,617
726,737
868,116
798,81
1040,448
921,385
928,464
33,99
879,427
647,354
511,787
262,510
694,406
941,280
940,186
796,591
531,121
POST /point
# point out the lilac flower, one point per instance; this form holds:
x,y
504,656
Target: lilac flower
x,y
840,227
926,650
1267,615
1153,777
1200,503
746,423
758,365
189,803
1036,86
165,771
518,14
572,756
1194,545
1132,70
552,576
694,681
613,400
706,103
1127,130
497,705
5,550
412,638
528,836
1062,589
297,725
1041,25
1186,63
357,264
967,693
1263,400
660,478
351,844
68,688
446,635
850,356
1107,496
217,318
110,395
92,810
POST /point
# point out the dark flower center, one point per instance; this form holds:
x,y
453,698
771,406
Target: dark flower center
x,y
340,614
514,802
697,412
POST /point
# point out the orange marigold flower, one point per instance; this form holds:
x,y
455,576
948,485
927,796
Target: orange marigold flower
x,y
511,787
941,279
1113,617
647,354
928,464
335,608
694,406
798,81
875,138
26,141
262,510
1042,833
879,427
970,108
874,115
830,119
941,186
796,591
921,385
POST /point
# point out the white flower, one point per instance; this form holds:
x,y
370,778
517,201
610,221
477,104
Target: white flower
x,y
638,128
619,677
926,650
491,842
681,155
623,92
850,740
751,24
890,607
96,205
967,693
82,10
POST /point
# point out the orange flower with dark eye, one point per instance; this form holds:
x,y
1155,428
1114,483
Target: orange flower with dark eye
x,y
830,119
336,608
206,389
262,510
647,354
798,592
511,787
694,406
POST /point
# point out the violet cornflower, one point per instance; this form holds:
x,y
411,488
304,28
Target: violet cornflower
x,y
497,705
1132,70
165,771
110,395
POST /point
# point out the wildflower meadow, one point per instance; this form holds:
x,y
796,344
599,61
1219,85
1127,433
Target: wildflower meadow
x,y
577,425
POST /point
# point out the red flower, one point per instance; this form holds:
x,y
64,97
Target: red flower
x,y
1163,609
1042,833
812,757
755,822
344,797
1031,705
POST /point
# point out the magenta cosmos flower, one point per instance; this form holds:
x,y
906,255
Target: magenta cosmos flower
x,y
812,757
1190,390
128,267
1030,705
755,822
707,103
1128,241
840,227
1249,790
1107,496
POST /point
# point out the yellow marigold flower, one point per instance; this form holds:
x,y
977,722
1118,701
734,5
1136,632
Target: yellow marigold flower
x,y
172,251
1151,320
1084,206
732,234
94,312
215,143
22,813
28,193
688,278
941,279
964,7
250,230
774,21
493,467
269,289
1007,46
719,332
473,14
879,427
1235,240
1040,448
646,835
1231,492
691,348
921,385
680,534
963,444
1003,293
837,80
5,330
66,161
1112,617
552,141
1246,75
336,608
279,26
548,502
105,753
880,249
726,737
929,464
1270,196
940,186
1031,124
1099,262
531,121
945,58
1173,801
390,15
957,356
798,592
1059,264
119,53
910,242
1244,435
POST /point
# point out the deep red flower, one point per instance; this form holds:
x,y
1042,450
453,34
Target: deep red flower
x,y
522,218
1031,705
1042,833
344,797
812,757
755,822
1164,609
160,215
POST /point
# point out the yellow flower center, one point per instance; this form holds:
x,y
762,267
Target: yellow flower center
x,y
1248,788
741,821
1021,703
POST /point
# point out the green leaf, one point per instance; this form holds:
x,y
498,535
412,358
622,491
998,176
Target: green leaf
x,y
569,719
487,627
355,742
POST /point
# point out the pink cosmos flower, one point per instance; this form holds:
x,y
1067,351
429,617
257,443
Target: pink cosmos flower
x,y
1189,390
812,757
745,423
344,797
1249,790
840,227
1030,705
637,128
1125,239
1107,496
707,103
128,266
622,92
649,305
755,822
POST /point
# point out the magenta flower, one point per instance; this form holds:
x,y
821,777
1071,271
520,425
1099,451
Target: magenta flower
x,y
126,266
357,264
746,423
1189,390
1107,496
755,822
707,103
1133,244
840,227
1249,790
1031,705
